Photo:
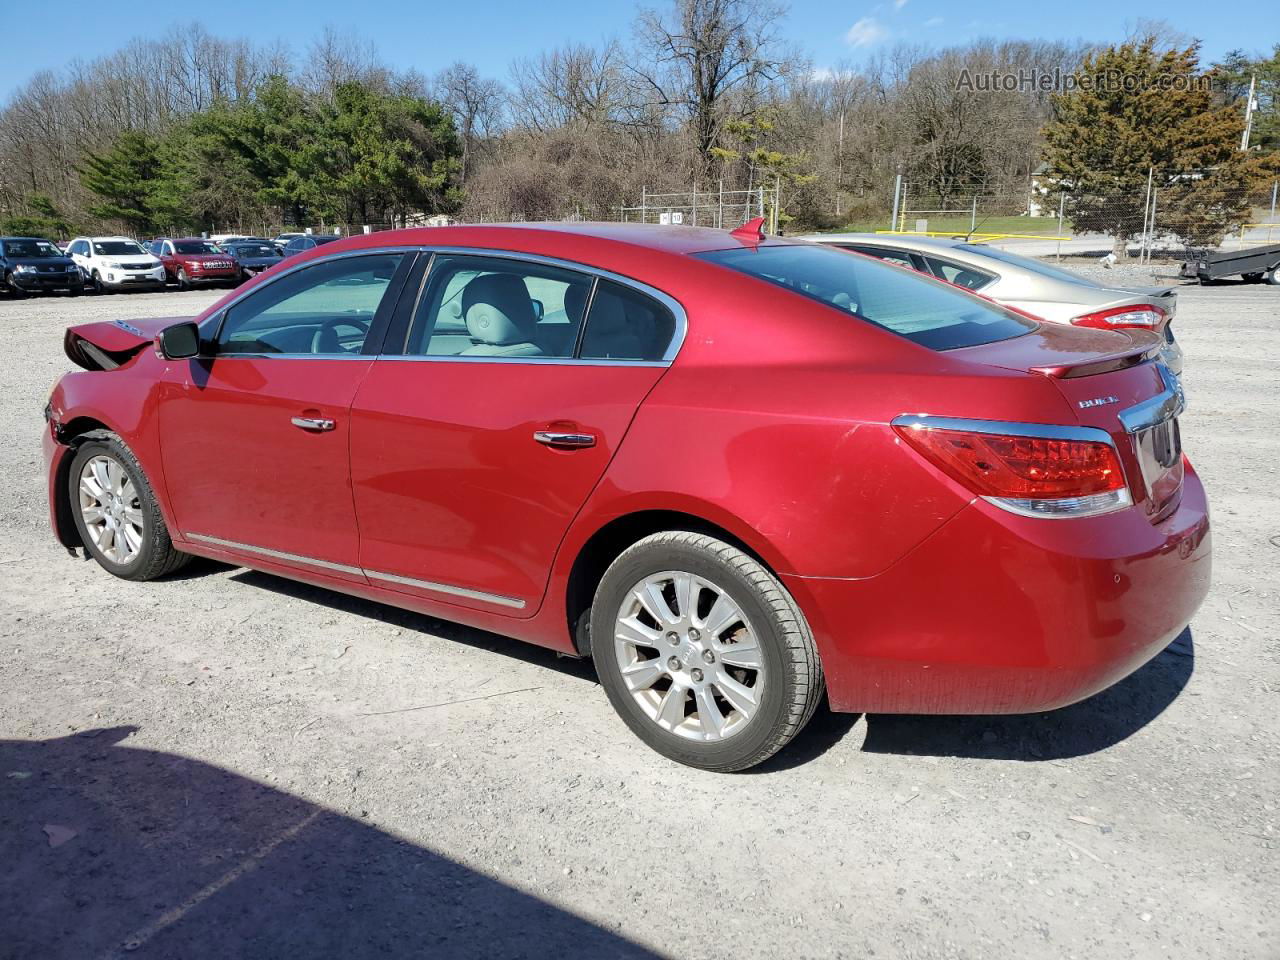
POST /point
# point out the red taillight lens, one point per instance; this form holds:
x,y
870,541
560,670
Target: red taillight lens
x,y
1117,318
1016,467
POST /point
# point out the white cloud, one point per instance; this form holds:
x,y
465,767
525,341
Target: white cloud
x,y
933,22
865,33
899,4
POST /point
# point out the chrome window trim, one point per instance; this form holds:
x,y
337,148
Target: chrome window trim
x,y
1048,431
671,303
221,312
431,585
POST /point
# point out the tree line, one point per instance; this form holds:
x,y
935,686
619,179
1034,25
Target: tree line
x,y
192,131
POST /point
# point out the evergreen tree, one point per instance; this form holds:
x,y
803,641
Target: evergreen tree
x,y
125,177
1106,138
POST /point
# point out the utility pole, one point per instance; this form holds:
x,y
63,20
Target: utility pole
x,y
897,189
1250,105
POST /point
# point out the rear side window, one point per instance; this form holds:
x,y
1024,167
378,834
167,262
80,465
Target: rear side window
x,y
961,276
910,305
888,256
624,324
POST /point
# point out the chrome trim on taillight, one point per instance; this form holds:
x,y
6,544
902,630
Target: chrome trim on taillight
x,y
1005,428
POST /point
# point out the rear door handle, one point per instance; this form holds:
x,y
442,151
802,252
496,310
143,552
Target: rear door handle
x,y
570,441
318,424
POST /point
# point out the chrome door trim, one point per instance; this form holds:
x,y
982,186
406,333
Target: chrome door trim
x,y
1046,431
274,554
448,589
445,588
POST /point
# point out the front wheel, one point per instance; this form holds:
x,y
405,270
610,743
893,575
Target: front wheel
x,y
703,652
16,291
116,512
184,282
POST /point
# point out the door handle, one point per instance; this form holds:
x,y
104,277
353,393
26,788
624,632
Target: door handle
x,y
568,441
318,424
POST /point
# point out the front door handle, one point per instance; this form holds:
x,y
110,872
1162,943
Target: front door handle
x,y
568,441
318,424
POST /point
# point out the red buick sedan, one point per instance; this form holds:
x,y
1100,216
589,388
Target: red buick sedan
x,y
734,471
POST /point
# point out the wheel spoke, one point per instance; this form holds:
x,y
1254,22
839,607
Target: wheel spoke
x,y
642,674
90,487
742,698
671,710
632,631
132,538
92,514
709,714
651,598
134,516
686,590
101,475
721,615
107,542
743,653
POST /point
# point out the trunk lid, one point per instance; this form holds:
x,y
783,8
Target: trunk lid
x,y
108,344
1113,381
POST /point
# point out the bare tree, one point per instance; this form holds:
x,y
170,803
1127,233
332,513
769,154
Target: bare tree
x,y
476,104
712,59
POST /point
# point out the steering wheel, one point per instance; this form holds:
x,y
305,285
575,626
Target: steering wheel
x,y
327,338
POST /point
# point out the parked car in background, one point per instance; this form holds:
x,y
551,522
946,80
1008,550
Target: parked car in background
x,y
1041,289
735,470
281,239
116,263
308,241
32,265
254,256
192,261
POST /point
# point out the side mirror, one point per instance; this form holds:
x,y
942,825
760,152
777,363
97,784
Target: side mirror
x,y
180,341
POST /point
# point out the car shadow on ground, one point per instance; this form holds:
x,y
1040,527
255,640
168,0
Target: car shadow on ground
x,y
1101,721
113,851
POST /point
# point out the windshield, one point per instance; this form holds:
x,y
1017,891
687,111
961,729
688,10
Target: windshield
x,y
253,250
925,311
320,240
36,249
117,248
1035,266
195,246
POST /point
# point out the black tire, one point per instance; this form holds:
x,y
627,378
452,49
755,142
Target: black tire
x,y
1273,277
1253,277
788,654
15,291
95,281
184,282
75,291
156,555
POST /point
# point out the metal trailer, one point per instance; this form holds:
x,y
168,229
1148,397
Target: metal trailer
x,y
1255,263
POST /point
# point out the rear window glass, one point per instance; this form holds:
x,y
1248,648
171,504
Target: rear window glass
x,y
913,306
1027,263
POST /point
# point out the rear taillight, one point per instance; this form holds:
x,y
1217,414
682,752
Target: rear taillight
x,y
1030,469
1147,318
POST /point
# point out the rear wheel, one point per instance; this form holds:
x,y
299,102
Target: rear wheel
x,y
703,652
1273,277
116,512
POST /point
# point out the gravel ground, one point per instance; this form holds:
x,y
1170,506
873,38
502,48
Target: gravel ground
x,y
254,768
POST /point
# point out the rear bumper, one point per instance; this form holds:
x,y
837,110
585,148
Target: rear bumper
x,y
997,613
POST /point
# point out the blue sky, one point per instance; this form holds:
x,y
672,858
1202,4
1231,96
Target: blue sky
x,y
429,34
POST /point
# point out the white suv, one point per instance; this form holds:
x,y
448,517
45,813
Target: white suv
x,y
113,263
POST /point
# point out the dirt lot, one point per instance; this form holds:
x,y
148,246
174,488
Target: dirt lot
x,y
254,768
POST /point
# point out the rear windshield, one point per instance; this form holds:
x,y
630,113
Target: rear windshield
x,y
195,246
252,249
925,311
1027,263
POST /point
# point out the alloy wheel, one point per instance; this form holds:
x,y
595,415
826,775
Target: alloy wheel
x,y
688,656
111,509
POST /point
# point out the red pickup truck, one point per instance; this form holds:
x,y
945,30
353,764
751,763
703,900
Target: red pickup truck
x,y
192,260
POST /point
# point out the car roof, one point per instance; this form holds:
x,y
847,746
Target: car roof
x,y
659,238
906,240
